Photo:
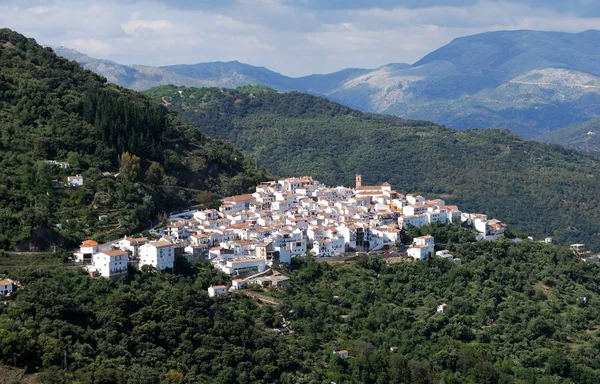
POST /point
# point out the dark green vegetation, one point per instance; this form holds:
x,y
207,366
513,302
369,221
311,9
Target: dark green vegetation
x,y
51,109
541,189
583,137
515,314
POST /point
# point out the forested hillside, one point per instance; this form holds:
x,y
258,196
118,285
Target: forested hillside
x,y
51,109
584,137
542,189
515,313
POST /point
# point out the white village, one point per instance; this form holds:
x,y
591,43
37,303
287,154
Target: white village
x,y
293,217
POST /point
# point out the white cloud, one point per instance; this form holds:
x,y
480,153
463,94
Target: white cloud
x,y
90,47
278,34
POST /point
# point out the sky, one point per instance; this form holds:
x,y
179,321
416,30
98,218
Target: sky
x,y
293,37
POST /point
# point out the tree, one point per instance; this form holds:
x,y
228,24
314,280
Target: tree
x,y
130,168
155,174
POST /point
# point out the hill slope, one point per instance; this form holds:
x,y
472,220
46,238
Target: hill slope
x,y
583,137
51,109
515,313
530,82
542,189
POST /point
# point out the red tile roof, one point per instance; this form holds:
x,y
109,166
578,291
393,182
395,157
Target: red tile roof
x,y
114,253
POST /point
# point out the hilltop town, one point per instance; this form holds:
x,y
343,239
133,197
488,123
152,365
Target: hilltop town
x,y
288,218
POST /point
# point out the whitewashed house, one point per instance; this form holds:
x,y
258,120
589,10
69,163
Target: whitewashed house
x,y
111,263
328,247
237,284
421,248
87,249
132,244
158,254
215,290
75,181
7,286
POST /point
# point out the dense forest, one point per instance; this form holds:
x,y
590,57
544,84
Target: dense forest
x,y
542,189
52,110
515,313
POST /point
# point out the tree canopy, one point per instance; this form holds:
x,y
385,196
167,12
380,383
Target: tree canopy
x,y
515,313
51,110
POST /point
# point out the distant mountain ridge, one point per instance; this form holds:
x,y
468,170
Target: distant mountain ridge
x,y
530,82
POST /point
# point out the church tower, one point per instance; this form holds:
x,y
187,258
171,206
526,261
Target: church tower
x,y
358,180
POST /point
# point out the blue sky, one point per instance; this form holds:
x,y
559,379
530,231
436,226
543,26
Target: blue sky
x,y
294,37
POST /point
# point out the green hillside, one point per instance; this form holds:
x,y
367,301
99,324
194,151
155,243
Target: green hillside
x,y
583,137
515,313
51,109
542,189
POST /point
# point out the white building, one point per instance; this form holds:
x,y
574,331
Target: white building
x,y
75,181
158,254
237,284
215,290
422,247
328,247
86,250
235,204
445,254
132,244
7,286
235,267
111,263
416,220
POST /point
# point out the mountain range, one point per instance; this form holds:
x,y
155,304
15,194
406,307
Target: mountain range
x,y
530,82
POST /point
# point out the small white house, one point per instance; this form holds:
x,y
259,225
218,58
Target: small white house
x,y
132,244
75,181
342,354
111,263
441,308
159,254
422,247
86,250
237,283
7,286
215,290
445,254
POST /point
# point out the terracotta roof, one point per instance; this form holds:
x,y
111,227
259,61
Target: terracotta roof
x,y
6,282
89,243
160,244
239,198
218,286
116,252
137,240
